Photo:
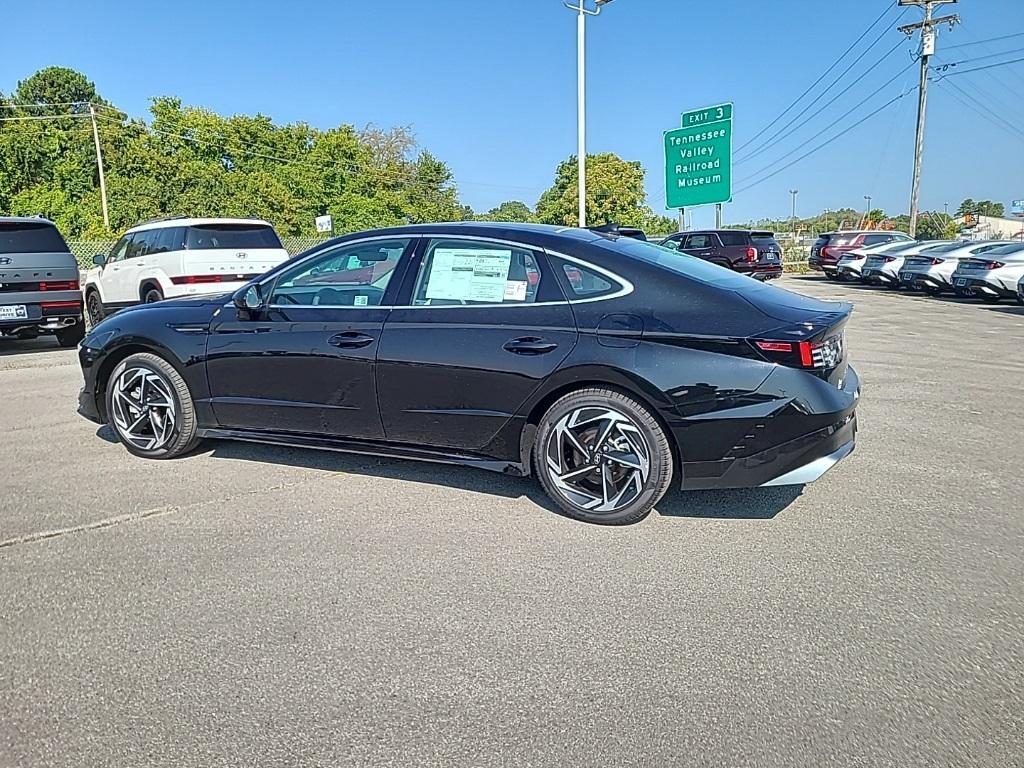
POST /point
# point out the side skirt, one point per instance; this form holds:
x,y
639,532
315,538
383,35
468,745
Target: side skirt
x,y
366,448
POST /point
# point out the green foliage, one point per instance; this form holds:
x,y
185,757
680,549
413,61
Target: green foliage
x,y
191,161
511,210
936,226
615,193
981,208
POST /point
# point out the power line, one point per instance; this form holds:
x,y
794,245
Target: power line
x,y
979,58
772,141
822,145
972,103
979,69
46,106
822,77
982,42
1006,108
837,120
43,117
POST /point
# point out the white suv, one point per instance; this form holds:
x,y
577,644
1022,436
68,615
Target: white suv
x,y
175,257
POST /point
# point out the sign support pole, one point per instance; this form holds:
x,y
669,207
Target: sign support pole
x,y
718,215
682,219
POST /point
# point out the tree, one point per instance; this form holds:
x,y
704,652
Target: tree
x,y
58,86
615,193
937,226
981,208
511,210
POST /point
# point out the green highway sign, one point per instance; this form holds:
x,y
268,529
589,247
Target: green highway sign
x,y
698,158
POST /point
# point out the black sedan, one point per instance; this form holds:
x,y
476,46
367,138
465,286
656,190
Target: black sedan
x,y
609,367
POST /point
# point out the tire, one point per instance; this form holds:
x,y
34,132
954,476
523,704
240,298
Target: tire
x,y
151,295
932,290
623,485
94,308
990,299
69,337
146,381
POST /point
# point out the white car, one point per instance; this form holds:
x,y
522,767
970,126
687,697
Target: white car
x,y
174,257
851,263
932,272
993,275
1020,291
884,268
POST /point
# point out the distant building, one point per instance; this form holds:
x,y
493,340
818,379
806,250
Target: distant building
x,y
976,227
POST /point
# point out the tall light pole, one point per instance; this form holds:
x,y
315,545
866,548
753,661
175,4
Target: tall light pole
x,y
867,211
581,96
792,215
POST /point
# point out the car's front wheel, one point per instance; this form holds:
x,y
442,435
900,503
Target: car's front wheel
x,y
150,408
602,457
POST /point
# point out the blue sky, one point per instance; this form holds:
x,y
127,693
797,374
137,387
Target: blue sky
x,y
490,87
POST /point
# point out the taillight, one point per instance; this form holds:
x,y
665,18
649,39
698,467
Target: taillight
x,y
936,261
751,254
193,279
888,259
804,354
59,285
995,265
824,250
60,304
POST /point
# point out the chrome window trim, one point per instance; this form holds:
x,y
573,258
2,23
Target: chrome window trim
x,y
626,287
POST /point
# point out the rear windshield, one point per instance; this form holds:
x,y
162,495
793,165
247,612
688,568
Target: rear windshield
x,y
763,238
822,239
30,237
679,262
1006,249
947,247
230,236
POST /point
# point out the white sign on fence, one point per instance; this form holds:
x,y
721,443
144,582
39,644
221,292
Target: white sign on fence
x,y
324,223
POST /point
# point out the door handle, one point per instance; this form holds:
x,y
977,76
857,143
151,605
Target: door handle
x,y
350,340
530,345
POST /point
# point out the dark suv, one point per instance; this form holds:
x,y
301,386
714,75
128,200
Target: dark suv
x,y
830,247
39,290
752,252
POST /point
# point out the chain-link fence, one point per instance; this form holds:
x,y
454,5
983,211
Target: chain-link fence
x,y
85,250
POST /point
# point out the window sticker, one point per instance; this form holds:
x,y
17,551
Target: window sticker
x,y
361,301
515,290
469,274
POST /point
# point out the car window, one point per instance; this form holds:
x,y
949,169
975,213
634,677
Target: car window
x,y
764,239
348,275
585,283
1006,250
678,262
230,236
732,238
165,240
876,239
30,237
137,245
698,241
672,243
464,272
118,251
986,248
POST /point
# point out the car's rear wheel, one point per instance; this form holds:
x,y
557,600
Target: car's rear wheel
x,y
150,408
602,457
152,295
990,299
69,337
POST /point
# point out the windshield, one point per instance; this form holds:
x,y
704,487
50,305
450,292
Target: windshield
x,y
946,247
30,237
230,236
677,261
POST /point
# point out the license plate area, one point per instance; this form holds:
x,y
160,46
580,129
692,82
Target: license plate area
x,y
13,312
961,282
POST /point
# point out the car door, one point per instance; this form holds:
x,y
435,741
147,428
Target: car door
x,y
699,244
110,277
484,322
305,362
130,272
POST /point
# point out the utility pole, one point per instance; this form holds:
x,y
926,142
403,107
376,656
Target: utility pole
x,y
792,215
581,96
927,27
718,215
867,211
99,166
682,219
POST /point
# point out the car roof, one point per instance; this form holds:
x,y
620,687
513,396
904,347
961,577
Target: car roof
x,y
182,221
532,233
26,220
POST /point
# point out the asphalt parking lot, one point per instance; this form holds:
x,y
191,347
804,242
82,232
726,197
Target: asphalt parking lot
x,y
254,605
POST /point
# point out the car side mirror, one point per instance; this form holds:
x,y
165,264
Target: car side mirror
x,y
248,298
99,259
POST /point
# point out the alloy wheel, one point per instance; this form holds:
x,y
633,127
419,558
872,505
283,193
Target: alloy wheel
x,y
143,409
598,459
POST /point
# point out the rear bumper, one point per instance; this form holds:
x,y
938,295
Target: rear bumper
x,y
809,444
57,312
981,287
878,277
